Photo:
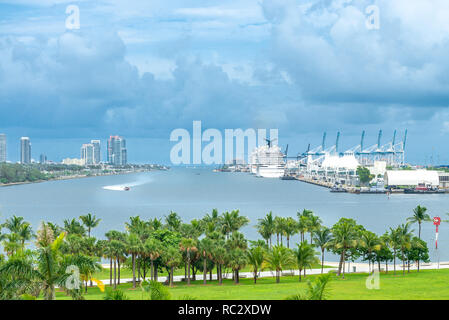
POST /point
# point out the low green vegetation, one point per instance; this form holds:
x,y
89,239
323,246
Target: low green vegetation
x,y
145,249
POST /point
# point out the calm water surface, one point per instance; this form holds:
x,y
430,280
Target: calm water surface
x,y
194,192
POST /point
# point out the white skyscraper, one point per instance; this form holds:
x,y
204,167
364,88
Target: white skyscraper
x,y
97,151
25,150
2,147
87,153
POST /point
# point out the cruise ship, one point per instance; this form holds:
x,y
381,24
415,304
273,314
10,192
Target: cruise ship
x,y
267,161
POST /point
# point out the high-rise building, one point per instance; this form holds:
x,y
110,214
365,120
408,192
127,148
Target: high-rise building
x,y
87,153
25,150
117,153
2,147
43,159
97,151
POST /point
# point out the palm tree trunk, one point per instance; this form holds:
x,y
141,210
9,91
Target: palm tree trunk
x,y
300,274
340,264
188,268
394,261
255,275
110,271
288,242
133,258
210,274
278,278
204,270
343,264
403,262
172,269
118,264
322,260
151,270
419,236
115,273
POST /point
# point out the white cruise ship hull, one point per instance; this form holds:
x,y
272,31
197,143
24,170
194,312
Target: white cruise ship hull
x,y
270,171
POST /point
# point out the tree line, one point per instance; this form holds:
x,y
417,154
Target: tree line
x,y
210,245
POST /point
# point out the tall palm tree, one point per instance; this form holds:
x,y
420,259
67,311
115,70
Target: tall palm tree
x,y
152,249
25,233
188,245
256,257
303,222
220,256
405,241
305,257
73,227
134,247
206,248
49,257
238,260
14,224
279,258
394,242
322,239
419,216
266,227
370,242
345,237
279,229
173,221
314,224
232,221
290,228
172,258
90,221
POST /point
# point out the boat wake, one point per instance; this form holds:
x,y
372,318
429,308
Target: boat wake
x,y
124,186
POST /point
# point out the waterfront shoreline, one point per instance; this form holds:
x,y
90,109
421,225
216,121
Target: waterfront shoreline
x,y
72,177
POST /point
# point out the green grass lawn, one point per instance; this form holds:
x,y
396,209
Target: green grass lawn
x,y
427,284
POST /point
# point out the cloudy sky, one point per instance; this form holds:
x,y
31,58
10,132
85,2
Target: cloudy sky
x,y
143,68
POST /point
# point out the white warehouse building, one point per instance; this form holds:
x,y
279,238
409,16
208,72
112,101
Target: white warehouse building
x,y
411,178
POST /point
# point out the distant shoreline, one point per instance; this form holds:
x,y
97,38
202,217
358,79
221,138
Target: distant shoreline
x,y
73,177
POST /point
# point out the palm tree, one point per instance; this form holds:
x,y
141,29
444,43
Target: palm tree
x,y
49,257
74,227
220,256
279,228
345,237
370,242
394,242
152,249
238,260
206,248
256,257
14,224
314,224
420,216
405,241
279,258
172,258
25,233
322,239
173,221
290,228
188,245
134,247
90,221
266,227
316,290
232,221
305,257
303,222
